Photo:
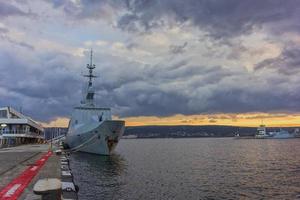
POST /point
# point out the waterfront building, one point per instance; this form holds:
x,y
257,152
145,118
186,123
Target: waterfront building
x,y
16,128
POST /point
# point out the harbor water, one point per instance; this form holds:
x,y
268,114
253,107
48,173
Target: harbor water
x,y
194,168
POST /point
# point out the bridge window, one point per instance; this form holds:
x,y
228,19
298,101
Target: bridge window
x,y
3,113
90,96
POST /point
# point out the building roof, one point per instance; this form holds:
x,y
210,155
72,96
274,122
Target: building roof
x,y
15,117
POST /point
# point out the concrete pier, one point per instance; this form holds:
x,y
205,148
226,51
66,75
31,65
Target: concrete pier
x,y
14,160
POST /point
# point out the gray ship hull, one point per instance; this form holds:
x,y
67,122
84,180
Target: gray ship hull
x,y
101,138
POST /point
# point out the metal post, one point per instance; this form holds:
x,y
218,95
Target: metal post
x,y
51,140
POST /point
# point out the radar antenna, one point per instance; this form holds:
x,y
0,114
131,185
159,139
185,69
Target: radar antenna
x,y
91,66
90,91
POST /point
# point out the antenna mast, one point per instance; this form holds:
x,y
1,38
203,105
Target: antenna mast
x,y
90,91
90,66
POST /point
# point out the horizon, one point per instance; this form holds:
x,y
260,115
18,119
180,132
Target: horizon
x,y
159,63
134,122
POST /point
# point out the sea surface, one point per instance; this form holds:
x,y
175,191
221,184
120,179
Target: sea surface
x,y
194,168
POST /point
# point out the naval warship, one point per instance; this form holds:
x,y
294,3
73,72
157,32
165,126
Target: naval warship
x,y
91,128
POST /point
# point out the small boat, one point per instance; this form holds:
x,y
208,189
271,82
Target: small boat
x,y
237,135
262,132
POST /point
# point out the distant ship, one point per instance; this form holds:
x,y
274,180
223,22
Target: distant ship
x,y
281,134
262,132
91,128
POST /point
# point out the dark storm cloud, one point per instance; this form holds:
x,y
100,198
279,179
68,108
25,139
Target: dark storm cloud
x,y
48,88
221,19
43,86
227,100
288,62
129,22
7,9
26,45
4,36
178,49
190,89
89,9
3,30
21,44
148,99
59,3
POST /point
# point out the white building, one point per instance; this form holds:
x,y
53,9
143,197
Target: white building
x,y
16,128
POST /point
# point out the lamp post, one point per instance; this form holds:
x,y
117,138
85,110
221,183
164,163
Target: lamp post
x,y
2,128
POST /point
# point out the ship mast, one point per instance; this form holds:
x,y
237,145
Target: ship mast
x,y
89,97
90,66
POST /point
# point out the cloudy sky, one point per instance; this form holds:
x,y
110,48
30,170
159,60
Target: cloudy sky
x,y
159,62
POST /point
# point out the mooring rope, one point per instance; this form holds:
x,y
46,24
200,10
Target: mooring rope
x,y
77,148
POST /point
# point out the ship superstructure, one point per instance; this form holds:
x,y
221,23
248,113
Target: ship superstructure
x,y
262,132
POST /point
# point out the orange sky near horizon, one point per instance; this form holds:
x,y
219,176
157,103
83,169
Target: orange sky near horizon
x,y
245,119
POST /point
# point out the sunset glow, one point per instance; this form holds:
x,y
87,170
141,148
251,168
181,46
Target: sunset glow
x,y
247,119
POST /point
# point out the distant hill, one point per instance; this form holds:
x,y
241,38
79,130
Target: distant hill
x,y
178,131
192,131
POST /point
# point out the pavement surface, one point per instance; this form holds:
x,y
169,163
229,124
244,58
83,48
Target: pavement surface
x,y
14,160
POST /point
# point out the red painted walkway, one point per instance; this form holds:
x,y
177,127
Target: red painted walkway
x,y
15,188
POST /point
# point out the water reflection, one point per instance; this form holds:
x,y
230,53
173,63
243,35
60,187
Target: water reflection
x,y
110,165
205,168
102,172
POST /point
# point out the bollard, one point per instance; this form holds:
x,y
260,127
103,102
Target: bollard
x,y
49,188
58,152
